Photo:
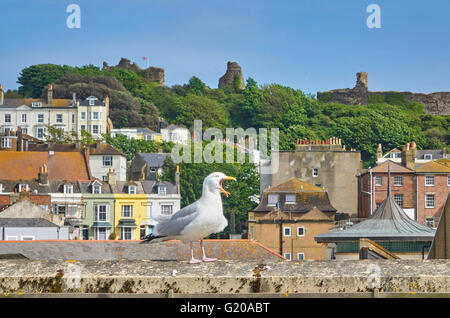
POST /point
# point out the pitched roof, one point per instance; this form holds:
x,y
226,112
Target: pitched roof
x,y
389,222
25,165
97,102
151,187
394,167
26,222
440,248
433,166
17,102
154,159
294,185
104,149
315,215
437,154
307,197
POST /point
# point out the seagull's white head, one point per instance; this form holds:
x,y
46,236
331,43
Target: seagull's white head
x,y
213,182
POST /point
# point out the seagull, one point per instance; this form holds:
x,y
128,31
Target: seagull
x,y
197,220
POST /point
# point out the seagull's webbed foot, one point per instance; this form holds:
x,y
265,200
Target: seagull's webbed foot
x,y
207,259
195,261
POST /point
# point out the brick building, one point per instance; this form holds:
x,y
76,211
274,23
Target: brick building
x,y
288,218
419,187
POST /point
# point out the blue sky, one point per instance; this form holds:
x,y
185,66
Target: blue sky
x,y
312,45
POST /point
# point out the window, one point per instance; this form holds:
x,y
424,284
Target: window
x,y
300,231
378,181
95,129
91,102
36,104
83,127
11,238
287,231
300,256
96,189
287,256
40,132
127,211
448,180
107,161
101,213
24,118
105,178
101,233
428,156
25,130
126,233
59,118
429,181
162,190
61,209
166,209
272,199
40,118
430,221
27,238
131,189
290,198
95,116
429,200
73,118
398,198
68,188
7,118
23,187
6,142
315,173
398,180
83,115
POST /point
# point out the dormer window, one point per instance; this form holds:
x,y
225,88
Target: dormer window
x,y
162,189
428,156
68,189
290,199
91,102
132,189
96,187
36,104
272,199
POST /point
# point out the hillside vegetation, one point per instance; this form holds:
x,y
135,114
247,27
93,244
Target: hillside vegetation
x,y
136,102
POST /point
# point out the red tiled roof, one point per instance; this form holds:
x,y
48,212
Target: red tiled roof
x,y
16,165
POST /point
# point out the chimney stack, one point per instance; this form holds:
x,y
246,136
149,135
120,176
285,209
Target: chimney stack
x,y
409,155
50,95
112,177
379,152
2,95
43,175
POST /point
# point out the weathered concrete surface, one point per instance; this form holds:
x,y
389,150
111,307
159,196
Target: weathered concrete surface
x,y
225,277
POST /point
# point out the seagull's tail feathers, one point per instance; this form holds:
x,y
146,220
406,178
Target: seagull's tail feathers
x,y
155,238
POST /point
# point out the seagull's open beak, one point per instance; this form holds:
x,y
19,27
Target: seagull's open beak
x,y
222,189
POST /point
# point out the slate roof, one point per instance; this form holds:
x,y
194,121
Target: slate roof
x,y
152,187
389,222
154,160
16,165
26,222
437,154
17,102
97,102
440,248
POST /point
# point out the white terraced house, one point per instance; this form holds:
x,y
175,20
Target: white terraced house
x,y
33,115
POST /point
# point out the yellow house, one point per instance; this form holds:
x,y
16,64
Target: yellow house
x,y
138,204
131,210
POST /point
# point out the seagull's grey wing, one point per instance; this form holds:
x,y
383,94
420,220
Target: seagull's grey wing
x,y
178,221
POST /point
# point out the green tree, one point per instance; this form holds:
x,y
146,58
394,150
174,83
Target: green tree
x,y
196,86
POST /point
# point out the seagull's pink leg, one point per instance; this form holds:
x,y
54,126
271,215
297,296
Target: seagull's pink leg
x,y
193,260
206,259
